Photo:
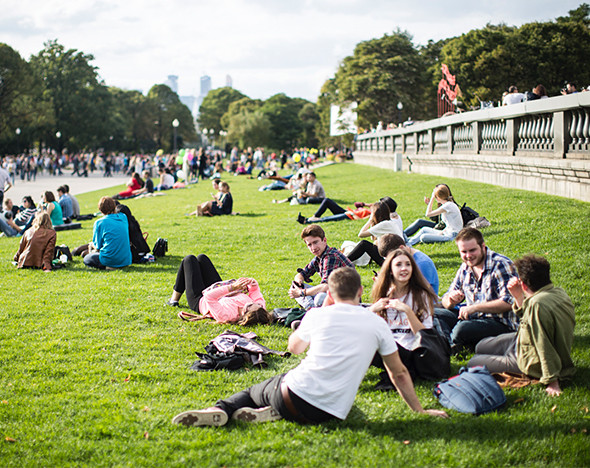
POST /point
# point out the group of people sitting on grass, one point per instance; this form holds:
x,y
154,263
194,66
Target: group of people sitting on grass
x,y
510,314
16,220
221,203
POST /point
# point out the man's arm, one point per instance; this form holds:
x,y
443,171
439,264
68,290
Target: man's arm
x,y
497,306
400,376
296,345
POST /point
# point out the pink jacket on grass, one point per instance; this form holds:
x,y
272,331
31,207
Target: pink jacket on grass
x,y
216,303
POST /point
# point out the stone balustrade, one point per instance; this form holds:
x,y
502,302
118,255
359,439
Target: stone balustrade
x,y
541,145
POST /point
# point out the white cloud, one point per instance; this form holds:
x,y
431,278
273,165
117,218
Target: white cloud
x,y
267,46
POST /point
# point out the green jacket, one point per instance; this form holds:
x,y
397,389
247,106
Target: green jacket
x,y
545,335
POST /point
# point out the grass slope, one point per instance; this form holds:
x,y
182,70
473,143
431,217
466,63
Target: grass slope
x,y
94,366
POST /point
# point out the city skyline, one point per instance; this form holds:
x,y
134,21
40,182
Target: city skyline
x,y
266,47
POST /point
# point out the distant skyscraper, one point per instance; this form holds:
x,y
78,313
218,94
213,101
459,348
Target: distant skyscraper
x,y
229,82
205,85
172,83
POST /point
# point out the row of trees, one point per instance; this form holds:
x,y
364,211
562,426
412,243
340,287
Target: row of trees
x,y
385,71
280,122
57,100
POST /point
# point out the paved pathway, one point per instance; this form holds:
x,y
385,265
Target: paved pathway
x,y
77,185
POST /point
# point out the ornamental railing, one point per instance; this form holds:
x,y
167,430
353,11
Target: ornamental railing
x,y
550,137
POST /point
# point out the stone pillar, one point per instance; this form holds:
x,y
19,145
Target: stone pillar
x,y
560,135
431,141
476,129
450,139
512,136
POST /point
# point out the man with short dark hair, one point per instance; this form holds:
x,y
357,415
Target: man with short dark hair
x,y
323,386
313,193
513,96
326,260
65,202
541,347
482,282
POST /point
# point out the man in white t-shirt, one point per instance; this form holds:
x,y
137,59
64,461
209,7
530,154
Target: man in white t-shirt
x,y
513,96
342,341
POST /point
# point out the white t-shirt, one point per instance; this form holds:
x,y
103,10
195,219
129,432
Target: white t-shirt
x,y
451,217
389,226
168,180
399,324
342,342
512,98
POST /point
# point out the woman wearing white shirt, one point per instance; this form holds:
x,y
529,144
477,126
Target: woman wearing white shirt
x,y
402,296
449,213
379,223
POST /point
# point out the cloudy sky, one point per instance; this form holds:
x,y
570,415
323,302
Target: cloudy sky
x,y
266,46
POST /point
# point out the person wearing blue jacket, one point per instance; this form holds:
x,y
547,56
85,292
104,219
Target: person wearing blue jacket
x,y
110,239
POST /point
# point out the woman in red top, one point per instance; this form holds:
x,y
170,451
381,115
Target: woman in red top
x,y
135,183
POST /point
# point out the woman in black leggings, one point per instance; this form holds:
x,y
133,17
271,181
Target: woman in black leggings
x,y
235,301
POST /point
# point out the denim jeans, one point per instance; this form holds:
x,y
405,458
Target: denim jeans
x,y
417,225
428,235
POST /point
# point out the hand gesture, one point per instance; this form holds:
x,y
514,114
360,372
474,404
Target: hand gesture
x,y
456,296
437,413
379,305
241,285
295,291
515,287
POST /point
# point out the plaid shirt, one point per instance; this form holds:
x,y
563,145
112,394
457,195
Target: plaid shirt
x,y
492,285
330,260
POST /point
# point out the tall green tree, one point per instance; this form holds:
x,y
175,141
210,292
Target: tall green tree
x,y
283,114
236,108
80,100
22,105
249,128
381,73
309,119
215,104
167,107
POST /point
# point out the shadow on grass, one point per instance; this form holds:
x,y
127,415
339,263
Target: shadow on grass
x,y
251,215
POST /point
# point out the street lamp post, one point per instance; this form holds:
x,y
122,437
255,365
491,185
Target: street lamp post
x,y
400,106
212,133
17,131
175,124
58,136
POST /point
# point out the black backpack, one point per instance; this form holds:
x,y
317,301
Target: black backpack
x,y
139,247
160,247
468,214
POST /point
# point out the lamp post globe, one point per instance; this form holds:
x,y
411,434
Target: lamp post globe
x,y
175,124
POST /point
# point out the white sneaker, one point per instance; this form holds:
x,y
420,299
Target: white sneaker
x,y
206,417
257,415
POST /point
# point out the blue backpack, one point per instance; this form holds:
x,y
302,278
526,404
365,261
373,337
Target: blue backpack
x,y
473,391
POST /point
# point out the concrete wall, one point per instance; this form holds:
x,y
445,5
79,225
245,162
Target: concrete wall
x,y
542,146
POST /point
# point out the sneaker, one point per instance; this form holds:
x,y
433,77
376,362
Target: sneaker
x,y
257,415
206,417
301,219
172,303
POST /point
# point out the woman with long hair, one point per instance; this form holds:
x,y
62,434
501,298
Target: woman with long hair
x,y
36,248
52,208
235,301
379,224
449,213
134,184
403,297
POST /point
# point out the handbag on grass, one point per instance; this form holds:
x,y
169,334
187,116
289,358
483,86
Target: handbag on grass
x,y
431,359
473,391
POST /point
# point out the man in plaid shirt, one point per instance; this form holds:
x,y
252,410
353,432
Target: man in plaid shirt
x,y
326,260
482,283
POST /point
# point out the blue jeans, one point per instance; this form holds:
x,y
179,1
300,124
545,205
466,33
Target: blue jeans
x,y
6,228
417,225
308,302
428,235
467,332
329,204
93,260
310,201
325,219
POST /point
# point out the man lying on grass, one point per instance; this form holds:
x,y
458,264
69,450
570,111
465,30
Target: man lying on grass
x,y
342,340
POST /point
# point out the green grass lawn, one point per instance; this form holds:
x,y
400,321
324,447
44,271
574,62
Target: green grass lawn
x,y
93,366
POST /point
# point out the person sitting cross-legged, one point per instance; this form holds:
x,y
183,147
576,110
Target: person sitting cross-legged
x,y
341,340
542,345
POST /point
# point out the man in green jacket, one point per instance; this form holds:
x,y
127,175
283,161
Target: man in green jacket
x,y
541,347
